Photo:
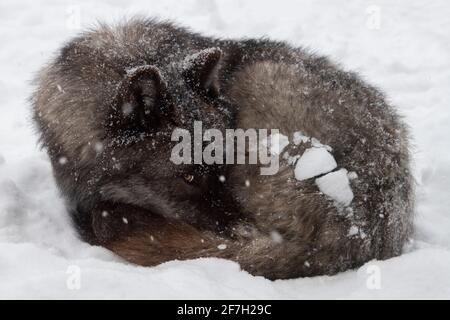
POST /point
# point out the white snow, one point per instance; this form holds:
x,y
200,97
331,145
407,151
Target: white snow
x,y
313,162
352,175
337,186
316,143
299,137
62,161
404,50
276,236
275,143
353,231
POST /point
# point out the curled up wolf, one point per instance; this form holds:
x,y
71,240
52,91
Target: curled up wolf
x,y
108,104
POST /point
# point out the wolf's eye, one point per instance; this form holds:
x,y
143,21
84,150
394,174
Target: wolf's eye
x,y
188,178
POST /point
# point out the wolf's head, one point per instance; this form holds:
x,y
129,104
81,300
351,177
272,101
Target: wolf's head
x,y
150,103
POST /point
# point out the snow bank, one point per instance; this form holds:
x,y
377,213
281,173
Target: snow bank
x,y
40,254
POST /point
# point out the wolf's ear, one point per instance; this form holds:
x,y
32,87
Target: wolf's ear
x,y
201,70
139,101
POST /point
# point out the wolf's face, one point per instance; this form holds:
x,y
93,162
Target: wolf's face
x,y
149,105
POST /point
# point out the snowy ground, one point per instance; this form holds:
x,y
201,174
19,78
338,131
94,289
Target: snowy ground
x,y
401,46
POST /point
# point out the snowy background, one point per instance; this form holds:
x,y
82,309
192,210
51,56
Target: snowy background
x,y
402,47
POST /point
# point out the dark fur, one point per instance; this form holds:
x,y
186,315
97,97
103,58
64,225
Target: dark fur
x,y
120,165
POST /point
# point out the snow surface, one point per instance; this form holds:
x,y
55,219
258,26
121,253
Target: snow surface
x,y
299,137
405,52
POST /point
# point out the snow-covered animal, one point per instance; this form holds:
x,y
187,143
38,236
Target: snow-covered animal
x,y
107,105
